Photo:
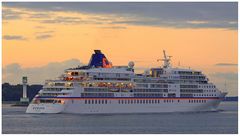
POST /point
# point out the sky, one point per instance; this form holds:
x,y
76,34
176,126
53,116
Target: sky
x,y
41,39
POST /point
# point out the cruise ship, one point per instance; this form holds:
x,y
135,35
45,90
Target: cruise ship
x,y
100,88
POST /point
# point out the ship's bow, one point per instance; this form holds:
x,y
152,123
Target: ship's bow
x,y
45,108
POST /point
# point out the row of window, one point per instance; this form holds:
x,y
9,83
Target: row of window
x,y
209,90
189,72
204,95
96,89
147,95
37,101
46,101
145,101
159,86
59,84
142,85
150,90
153,85
196,86
191,90
53,94
140,101
96,101
209,86
56,89
97,94
75,73
192,77
111,74
188,86
137,80
188,81
197,101
129,101
201,82
119,79
186,95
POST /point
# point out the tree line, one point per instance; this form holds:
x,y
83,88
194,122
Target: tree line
x,y
15,92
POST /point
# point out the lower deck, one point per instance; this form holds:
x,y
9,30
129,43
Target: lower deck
x,y
139,106
92,105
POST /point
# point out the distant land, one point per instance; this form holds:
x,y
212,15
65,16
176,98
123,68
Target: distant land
x,y
14,92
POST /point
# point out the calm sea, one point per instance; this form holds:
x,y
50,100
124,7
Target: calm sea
x,y
225,120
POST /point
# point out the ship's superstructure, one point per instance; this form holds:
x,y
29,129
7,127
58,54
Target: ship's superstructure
x,y
100,87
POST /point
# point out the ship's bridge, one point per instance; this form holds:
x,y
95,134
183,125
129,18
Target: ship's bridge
x,y
177,74
182,71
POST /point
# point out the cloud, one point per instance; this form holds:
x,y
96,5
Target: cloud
x,y
177,23
226,64
9,14
39,15
168,14
63,20
13,37
114,27
44,36
12,68
45,32
197,22
232,22
13,73
226,76
40,27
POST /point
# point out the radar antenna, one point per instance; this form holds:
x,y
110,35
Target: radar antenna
x,y
166,60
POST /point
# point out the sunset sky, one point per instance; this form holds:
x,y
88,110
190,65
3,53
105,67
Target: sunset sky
x,y
40,40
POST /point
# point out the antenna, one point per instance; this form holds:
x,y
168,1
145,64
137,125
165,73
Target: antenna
x,y
166,60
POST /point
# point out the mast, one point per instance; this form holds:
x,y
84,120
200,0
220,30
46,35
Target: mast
x,y
166,60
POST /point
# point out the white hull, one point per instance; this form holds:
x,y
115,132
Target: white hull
x,y
45,108
112,107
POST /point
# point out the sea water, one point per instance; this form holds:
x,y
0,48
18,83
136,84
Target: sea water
x,y
225,120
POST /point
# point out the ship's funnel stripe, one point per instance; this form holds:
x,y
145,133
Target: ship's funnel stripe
x,y
99,60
